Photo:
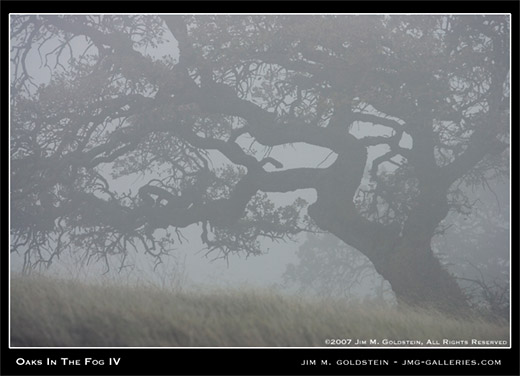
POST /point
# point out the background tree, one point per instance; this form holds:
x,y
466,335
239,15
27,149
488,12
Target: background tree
x,y
439,81
476,247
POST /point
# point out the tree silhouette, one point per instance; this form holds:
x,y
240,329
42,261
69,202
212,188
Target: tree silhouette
x,y
350,84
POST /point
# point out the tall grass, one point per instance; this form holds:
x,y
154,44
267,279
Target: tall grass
x,y
52,312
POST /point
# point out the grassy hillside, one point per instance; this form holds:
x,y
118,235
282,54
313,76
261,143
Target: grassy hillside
x,y
51,312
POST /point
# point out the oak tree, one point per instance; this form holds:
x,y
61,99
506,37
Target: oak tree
x,y
165,97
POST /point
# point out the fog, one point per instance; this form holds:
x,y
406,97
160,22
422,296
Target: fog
x,y
352,158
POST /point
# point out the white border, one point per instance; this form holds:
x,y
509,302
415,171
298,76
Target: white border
x,y
276,347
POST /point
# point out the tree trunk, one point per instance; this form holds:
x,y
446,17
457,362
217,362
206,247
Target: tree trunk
x,y
419,279
404,259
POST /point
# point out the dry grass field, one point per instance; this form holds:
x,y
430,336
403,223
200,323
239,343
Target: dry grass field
x,y
47,312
